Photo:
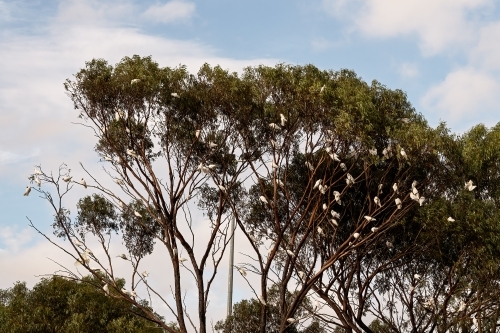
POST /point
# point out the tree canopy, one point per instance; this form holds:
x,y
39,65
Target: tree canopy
x,y
343,191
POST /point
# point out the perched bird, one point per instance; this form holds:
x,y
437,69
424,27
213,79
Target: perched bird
x,y
174,94
421,200
222,188
212,144
343,167
334,222
325,206
369,218
197,133
462,306
389,244
145,274
336,195
404,120
318,183
117,116
309,166
27,192
451,219
38,182
132,293
107,158
242,271
335,215
83,183
414,196
106,289
349,179
417,276
280,183
273,143
274,165
395,187
274,126
355,235
123,256
322,89
403,154
37,172
119,181
136,213
291,320
398,203
323,189
89,251
67,178
374,229
380,188
290,253
301,274
182,260
135,81
283,119
411,289
263,199
261,300
212,166
132,153
469,186
320,231
414,184
377,202
334,157
373,151
77,242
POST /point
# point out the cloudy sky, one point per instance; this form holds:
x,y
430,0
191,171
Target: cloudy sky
x,y
444,54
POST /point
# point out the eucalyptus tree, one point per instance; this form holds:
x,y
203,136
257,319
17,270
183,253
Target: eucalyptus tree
x,y
322,172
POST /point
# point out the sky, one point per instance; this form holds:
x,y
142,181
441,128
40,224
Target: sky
x,y
444,54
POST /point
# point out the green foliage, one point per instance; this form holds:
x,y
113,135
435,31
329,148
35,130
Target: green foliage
x,y
59,305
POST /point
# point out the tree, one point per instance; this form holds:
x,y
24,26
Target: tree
x,y
316,167
59,305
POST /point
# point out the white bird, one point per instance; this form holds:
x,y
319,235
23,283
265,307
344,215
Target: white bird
x,y
355,235
274,126
417,276
212,166
322,89
127,130
309,165
380,188
385,153
451,219
222,188
334,222
197,133
398,203
395,187
318,183
181,260
374,229
369,218
373,151
67,178
212,144
145,274
320,231
290,253
273,143
403,154
37,172
136,213
377,202
242,271
291,320
83,183
301,275
106,289
335,215
411,289
414,190
174,94
389,244
263,199
474,321
274,165
38,182
323,189
414,196
132,153
123,256
325,206
261,300
117,116
334,157
336,195
89,251
132,293
404,120
119,181
77,242
343,167
349,179
280,183
414,184
469,186
461,306
118,159
135,81
283,119
27,192
421,200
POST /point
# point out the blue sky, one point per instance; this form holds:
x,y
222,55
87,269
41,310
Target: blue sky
x,y
445,54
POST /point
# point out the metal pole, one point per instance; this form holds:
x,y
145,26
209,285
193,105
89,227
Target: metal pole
x,y
230,275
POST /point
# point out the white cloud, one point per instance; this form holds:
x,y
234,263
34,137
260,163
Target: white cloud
x,y
465,94
486,53
408,70
175,10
